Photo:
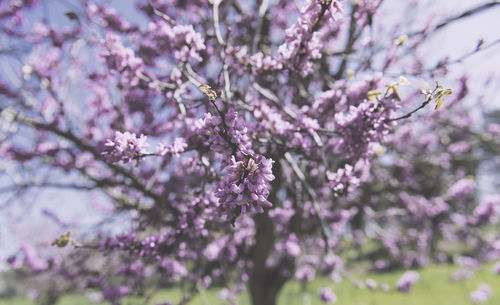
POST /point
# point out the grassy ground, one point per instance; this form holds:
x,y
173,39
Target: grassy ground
x,y
434,288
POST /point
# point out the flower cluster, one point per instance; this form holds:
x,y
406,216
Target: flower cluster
x,y
122,59
360,127
407,280
182,40
303,42
246,183
175,149
496,268
420,207
225,136
173,269
32,259
487,211
115,293
481,294
125,147
326,295
462,187
110,18
343,180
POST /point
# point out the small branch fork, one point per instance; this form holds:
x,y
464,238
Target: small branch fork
x,y
429,96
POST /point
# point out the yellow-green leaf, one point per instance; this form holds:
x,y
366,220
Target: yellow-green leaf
x,y
401,39
439,101
373,94
62,241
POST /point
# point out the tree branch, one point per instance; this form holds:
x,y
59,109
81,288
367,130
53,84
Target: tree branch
x,y
448,21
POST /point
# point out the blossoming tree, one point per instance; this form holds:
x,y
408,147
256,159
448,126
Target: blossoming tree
x,y
253,143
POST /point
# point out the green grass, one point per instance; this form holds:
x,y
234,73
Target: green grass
x,y
434,288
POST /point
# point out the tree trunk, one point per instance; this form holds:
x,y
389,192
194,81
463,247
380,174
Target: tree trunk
x,y
264,284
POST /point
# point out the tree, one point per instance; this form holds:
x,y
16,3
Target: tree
x,y
254,143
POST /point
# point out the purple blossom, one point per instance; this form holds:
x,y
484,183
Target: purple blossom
x,y
182,40
109,17
420,207
326,295
173,269
125,147
481,294
174,149
95,297
461,274
246,183
382,264
292,246
213,250
407,280
467,262
371,284
32,259
332,264
301,39
487,211
459,147
115,293
496,268
224,137
343,179
33,294
360,127
305,273
121,59
462,187
228,294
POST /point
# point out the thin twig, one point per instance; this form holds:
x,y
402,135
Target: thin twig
x,y
325,232
215,13
464,56
46,185
273,98
428,98
192,76
260,22
448,21
225,67
350,42
161,14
